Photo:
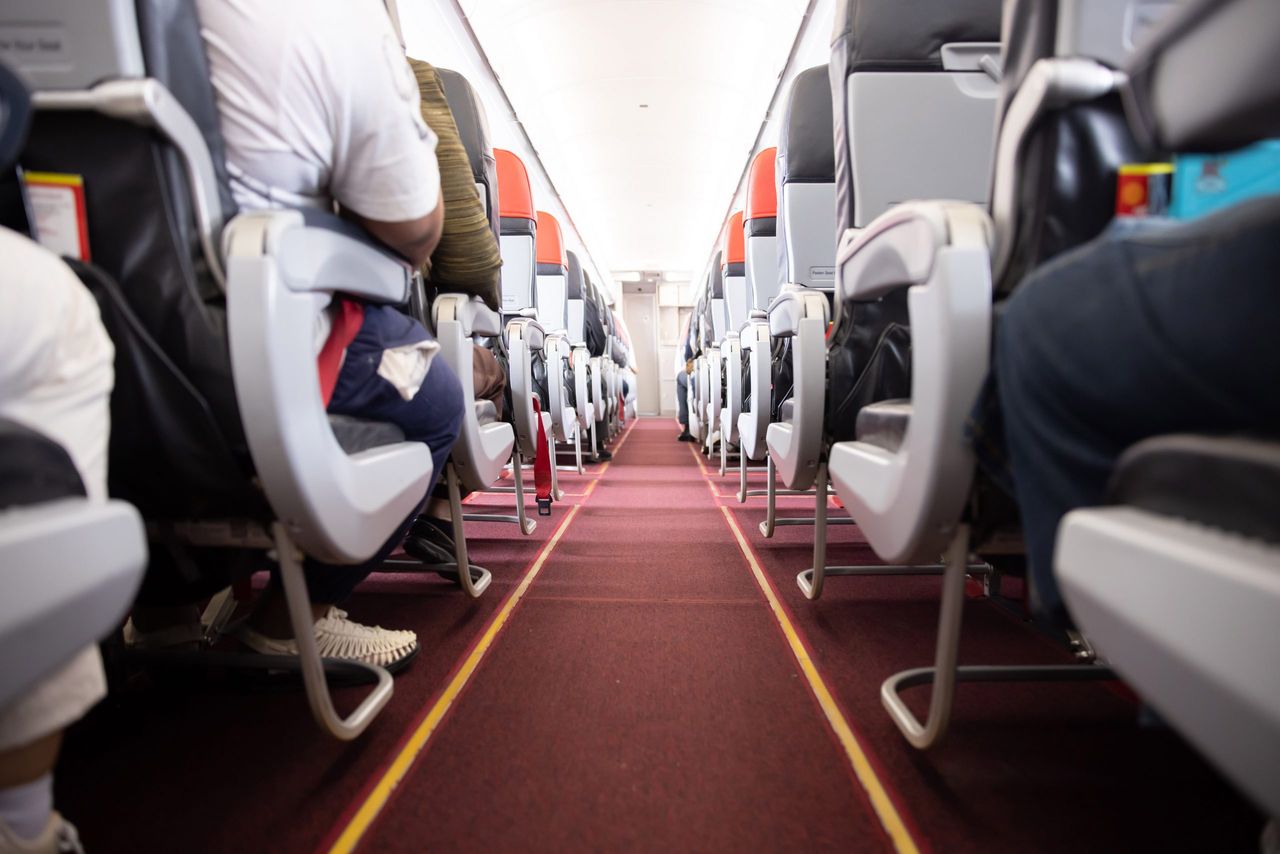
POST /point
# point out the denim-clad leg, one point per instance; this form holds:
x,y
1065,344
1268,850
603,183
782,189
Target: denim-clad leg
x,y
1155,327
433,416
682,398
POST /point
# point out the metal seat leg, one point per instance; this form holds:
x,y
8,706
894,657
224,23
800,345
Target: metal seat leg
x,y
945,674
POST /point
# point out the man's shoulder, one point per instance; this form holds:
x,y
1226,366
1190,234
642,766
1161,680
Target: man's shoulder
x,y
288,24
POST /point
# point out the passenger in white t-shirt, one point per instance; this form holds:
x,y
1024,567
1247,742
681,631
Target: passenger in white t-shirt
x,y
318,107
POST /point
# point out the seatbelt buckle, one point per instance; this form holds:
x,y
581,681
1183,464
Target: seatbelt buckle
x,y
544,506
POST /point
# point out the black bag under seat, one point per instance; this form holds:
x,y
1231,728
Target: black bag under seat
x,y
868,360
783,377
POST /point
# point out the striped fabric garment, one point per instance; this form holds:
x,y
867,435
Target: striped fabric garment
x,y
467,259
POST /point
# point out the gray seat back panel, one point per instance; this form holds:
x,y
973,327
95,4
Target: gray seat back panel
x,y
939,149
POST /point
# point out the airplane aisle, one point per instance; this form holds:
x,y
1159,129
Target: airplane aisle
x,y
640,698
648,677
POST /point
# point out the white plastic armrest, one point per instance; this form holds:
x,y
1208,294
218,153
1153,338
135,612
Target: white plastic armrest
x,y
322,256
792,305
1187,614
530,330
481,449
907,502
471,314
337,508
754,331
897,250
69,570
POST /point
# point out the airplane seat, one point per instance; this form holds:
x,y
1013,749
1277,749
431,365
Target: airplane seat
x,y
615,358
947,61
805,175
553,285
700,331
733,274
717,329
761,272
578,381
947,65
552,274
524,336
473,128
1059,131
1175,581
597,345
53,602
484,444
218,414
1056,208
907,478
473,131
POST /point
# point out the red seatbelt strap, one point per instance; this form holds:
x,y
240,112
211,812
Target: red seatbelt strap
x,y
347,321
622,409
542,464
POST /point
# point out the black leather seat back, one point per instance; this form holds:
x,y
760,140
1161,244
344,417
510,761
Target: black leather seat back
x,y
15,116
575,310
593,318
177,446
1066,182
573,285
473,128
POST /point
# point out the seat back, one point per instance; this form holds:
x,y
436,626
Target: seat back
x,y
716,299
939,56
760,223
473,128
553,271
594,334
575,284
130,113
517,233
1063,186
806,184
703,328
733,271
1173,73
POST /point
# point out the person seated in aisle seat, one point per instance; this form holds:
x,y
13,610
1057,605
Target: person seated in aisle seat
x,y
318,107
684,375
1155,327
56,377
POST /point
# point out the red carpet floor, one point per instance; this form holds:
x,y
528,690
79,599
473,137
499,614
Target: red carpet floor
x,y
642,696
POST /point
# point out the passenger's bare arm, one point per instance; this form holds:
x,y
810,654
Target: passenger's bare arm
x,y
415,239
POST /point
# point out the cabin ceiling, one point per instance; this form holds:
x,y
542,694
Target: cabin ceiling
x,y
647,186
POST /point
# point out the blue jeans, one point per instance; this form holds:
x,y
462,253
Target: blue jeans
x,y
1155,327
682,398
434,416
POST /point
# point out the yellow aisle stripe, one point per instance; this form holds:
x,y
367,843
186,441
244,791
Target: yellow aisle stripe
x,y
391,778
697,458
862,768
